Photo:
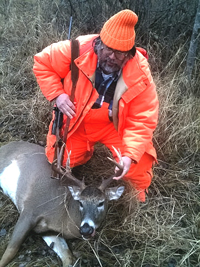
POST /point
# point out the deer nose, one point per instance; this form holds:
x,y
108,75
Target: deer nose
x,y
86,230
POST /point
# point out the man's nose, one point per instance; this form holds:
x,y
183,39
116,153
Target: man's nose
x,y
112,56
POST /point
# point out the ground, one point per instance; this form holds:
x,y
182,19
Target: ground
x,y
163,232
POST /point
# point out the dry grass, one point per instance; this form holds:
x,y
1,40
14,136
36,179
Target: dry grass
x,y
163,232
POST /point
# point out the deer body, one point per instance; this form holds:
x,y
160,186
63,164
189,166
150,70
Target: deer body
x,y
45,205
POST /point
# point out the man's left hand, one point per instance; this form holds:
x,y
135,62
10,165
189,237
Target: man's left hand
x,y
126,166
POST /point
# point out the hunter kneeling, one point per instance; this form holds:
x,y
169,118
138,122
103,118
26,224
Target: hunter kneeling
x,y
115,99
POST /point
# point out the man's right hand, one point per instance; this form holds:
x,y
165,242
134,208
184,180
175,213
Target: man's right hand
x,y
65,105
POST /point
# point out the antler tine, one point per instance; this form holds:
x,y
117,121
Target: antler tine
x,y
119,155
120,164
57,169
116,163
69,177
59,156
106,182
68,162
66,173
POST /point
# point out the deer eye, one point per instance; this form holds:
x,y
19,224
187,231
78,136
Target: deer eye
x,y
100,204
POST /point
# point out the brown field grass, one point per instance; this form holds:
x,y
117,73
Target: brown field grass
x,y
164,231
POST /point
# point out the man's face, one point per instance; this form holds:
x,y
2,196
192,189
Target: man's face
x,y
110,60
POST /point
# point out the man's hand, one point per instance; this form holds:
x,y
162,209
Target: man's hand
x,y
66,106
126,166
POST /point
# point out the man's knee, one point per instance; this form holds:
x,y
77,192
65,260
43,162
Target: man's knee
x,y
140,174
140,181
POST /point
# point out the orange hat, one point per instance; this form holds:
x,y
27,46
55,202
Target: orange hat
x,y
119,32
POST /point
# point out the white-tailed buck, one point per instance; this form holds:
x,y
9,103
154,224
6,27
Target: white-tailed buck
x,y
45,205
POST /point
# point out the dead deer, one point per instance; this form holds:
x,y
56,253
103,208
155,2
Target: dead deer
x,y
47,206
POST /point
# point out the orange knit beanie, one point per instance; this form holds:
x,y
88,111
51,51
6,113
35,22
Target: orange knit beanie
x,y
119,32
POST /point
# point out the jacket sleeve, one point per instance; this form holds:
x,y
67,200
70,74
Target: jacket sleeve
x,y
51,66
140,123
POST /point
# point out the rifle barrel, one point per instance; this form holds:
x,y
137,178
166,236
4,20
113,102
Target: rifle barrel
x,y
70,27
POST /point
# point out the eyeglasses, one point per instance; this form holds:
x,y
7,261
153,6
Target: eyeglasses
x,y
118,54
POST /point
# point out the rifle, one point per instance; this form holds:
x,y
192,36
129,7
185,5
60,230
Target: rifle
x,y
57,124
58,115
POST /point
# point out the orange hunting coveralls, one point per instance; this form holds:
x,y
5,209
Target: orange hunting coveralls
x,y
134,113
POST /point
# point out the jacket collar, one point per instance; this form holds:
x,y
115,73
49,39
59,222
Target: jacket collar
x,y
87,64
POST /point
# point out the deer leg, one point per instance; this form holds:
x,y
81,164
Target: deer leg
x,y
22,228
59,245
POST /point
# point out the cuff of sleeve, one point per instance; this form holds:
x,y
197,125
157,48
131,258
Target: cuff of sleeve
x,y
53,96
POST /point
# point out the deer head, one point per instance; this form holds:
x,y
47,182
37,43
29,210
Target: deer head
x,y
92,200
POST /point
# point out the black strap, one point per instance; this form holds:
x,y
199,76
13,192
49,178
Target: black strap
x,y
74,78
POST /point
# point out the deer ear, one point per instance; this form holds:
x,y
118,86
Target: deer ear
x,y
75,191
114,193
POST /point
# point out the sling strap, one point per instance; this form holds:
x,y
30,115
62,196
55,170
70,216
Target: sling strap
x,y
74,78
59,153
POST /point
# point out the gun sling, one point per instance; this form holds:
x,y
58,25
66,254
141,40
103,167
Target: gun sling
x,y
58,154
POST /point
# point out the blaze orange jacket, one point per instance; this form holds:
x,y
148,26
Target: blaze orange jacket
x,y
135,103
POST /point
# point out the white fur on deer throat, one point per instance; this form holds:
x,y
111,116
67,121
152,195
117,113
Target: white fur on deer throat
x,y
9,179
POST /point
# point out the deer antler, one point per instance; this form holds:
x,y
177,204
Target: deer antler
x,y
65,172
106,182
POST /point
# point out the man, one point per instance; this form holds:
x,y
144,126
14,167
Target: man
x,y
115,99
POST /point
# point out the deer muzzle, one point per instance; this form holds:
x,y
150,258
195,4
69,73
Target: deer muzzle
x,y
87,231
